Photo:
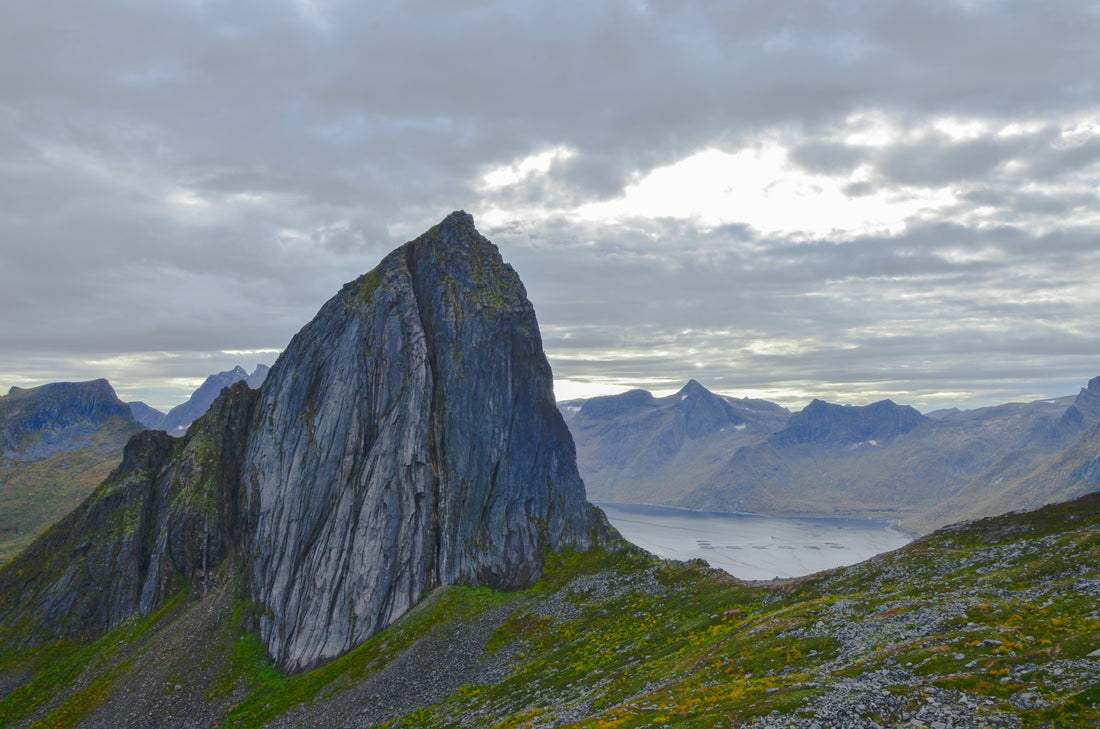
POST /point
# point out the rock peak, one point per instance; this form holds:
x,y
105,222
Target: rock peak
x,y
692,388
410,431
459,219
406,439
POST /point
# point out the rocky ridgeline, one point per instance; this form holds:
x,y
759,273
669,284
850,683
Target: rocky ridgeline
x,y
38,422
406,439
165,516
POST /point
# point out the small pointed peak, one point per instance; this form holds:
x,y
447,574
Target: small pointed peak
x,y
459,219
693,388
456,231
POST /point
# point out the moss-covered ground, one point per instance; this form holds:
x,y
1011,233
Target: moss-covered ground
x,y
35,494
992,624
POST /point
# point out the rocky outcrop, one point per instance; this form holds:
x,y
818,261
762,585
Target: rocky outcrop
x,y
163,517
407,438
1080,416
178,419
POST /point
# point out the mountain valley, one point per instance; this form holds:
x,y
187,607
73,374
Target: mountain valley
x,y
994,623
879,461
393,531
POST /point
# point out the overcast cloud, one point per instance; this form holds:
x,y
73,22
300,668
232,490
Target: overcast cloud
x,y
851,200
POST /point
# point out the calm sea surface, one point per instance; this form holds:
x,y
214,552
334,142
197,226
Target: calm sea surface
x,y
750,546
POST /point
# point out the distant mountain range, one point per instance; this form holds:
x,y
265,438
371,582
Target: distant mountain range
x,y
407,439
710,452
58,441
635,447
176,421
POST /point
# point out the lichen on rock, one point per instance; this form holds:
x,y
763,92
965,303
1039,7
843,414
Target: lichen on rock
x,y
408,438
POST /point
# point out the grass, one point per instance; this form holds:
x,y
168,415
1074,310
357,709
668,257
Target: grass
x,y
36,494
272,693
57,666
991,613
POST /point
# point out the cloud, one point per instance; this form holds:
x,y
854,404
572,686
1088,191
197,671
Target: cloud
x,y
771,198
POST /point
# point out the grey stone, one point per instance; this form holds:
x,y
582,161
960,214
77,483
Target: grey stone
x,y
408,438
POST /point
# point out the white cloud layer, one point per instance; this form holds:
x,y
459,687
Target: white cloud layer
x,y
857,200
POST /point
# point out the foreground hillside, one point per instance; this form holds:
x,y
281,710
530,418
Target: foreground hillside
x,y
991,624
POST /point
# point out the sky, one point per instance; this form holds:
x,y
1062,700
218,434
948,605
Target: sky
x,y
788,200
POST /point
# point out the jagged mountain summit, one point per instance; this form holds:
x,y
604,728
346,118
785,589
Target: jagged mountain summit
x,y
707,452
178,419
406,439
635,447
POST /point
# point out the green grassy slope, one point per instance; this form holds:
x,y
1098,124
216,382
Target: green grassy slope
x,y
35,494
990,623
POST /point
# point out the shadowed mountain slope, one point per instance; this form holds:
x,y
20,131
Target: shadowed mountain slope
x,y
406,439
57,441
634,447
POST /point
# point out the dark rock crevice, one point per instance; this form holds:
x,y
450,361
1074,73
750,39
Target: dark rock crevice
x,y
464,474
407,438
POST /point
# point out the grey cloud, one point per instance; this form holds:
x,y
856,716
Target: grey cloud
x,y
834,302
191,177
1016,203
829,158
935,161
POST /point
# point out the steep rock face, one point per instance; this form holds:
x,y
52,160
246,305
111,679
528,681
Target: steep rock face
x,y
1082,414
407,438
168,511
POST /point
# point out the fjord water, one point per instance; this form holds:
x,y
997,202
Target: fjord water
x,y
752,546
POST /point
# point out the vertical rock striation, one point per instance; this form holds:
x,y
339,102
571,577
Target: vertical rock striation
x,y
407,438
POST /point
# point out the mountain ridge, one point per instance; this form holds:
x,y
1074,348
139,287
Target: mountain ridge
x,y
474,455
57,441
406,439
883,460
177,420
